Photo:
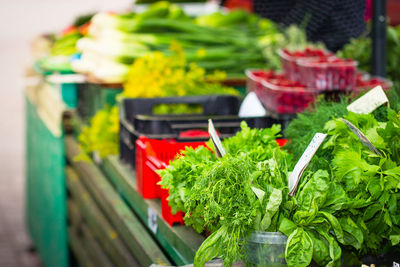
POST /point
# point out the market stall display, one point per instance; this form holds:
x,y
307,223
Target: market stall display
x,y
338,206
140,181
117,39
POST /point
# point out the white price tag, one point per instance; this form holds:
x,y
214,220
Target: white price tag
x,y
362,137
251,107
369,102
152,220
304,161
219,149
395,264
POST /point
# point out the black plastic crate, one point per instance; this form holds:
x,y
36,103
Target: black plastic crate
x,y
137,119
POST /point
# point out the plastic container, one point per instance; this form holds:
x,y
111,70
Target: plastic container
x,y
266,249
279,100
329,74
365,82
152,155
166,211
284,99
255,78
290,60
137,119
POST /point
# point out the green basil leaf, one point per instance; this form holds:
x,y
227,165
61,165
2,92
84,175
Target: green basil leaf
x,y
395,239
353,235
335,226
299,248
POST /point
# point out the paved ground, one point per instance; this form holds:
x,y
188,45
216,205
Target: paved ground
x,y
20,20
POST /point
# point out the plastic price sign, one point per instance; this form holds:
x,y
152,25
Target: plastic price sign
x,y
303,162
152,220
369,102
362,137
219,149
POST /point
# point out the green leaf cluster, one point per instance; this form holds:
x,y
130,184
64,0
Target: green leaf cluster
x,y
101,136
360,50
230,196
346,204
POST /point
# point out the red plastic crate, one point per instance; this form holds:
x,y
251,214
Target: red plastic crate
x,y
166,210
152,155
330,74
290,61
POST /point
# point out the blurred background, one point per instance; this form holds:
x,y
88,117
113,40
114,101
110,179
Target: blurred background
x,y
20,22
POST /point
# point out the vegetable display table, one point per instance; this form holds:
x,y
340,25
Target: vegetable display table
x,y
105,196
46,216
91,209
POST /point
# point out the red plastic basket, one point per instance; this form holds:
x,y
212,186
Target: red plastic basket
x,y
365,82
152,155
279,99
290,64
329,75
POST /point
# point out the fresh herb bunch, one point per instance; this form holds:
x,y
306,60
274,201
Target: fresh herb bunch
x,y
349,205
159,75
180,176
230,196
347,208
101,136
301,130
367,176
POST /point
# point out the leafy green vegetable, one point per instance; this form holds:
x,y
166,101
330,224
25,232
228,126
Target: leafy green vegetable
x,y
346,204
237,194
360,50
302,129
101,136
299,249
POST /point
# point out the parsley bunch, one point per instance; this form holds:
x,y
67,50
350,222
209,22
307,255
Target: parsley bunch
x,y
230,196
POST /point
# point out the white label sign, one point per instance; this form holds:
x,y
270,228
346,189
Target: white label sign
x,y
304,161
219,149
152,220
251,107
362,137
395,264
369,102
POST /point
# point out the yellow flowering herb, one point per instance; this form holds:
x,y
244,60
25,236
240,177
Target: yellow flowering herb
x,y
101,135
159,75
